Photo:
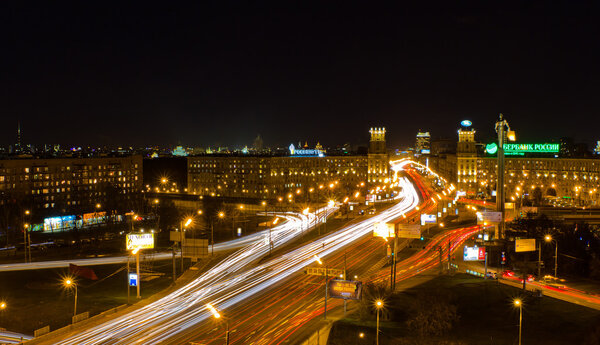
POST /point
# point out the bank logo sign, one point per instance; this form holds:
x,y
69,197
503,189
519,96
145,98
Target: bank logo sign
x,y
304,153
515,149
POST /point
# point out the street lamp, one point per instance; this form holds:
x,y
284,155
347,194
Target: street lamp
x,y
549,238
318,260
519,303
378,305
69,283
184,224
217,315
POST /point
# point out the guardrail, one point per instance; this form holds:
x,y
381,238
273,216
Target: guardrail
x,y
73,326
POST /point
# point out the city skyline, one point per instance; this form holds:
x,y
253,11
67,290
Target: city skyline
x,y
209,73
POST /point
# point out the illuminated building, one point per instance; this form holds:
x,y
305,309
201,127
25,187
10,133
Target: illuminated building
x,y
466,159
422,144
534,171
262,176
62,184
378,162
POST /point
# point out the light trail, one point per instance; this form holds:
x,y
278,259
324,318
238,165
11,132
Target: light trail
x,y
234,280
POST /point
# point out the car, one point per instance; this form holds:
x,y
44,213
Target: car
x,y
372,211
491,275
361,212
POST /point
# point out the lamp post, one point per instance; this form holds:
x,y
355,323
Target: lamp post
x,y
318,260
502,127
184,224
378,305
549,238
25,235
71,283
212,233
519,304
217,315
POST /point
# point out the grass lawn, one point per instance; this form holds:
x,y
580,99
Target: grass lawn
x,y
37,298
487,316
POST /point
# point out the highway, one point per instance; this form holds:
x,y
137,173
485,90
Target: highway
x,y
289,221
235,279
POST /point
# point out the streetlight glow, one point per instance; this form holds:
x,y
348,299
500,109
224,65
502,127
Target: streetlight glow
x,y
318,259
213,311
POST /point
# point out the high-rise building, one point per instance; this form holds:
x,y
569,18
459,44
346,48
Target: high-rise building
x,y
378,159
466,159
422,145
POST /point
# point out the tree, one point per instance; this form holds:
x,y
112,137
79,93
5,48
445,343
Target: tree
x,y
432,313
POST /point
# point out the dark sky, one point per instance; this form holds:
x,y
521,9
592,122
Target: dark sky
x,y
222,72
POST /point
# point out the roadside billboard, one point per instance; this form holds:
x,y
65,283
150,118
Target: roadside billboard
x,y
140,241
489,217
525,245
474,253
383,230
409,231
345,289
428,219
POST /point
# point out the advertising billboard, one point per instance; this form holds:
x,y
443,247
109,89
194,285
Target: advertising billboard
x,y
525,245
409,231
489,217
140,241
383,230
345,289
474,253
514,149
428,219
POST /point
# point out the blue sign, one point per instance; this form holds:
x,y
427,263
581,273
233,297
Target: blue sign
x,y
305,153
466,123
133,279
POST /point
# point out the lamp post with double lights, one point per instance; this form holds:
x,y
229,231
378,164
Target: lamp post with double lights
x,y
217,316
549,238
318,260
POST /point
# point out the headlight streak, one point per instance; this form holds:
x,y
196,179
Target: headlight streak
x,y
234,279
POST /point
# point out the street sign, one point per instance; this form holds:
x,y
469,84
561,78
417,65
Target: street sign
x,y
133,278
489,217
474,253
525,245
428,219
175,236
409,231
140,241
195,248
320,271
383,230
345,289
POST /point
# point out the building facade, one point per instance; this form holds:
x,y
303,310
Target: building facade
x,y
60,184
535,176
303,171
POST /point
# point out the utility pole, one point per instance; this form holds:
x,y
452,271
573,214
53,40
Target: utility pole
x,y
539,263
325,311
500,129
394,253
174,266
137,268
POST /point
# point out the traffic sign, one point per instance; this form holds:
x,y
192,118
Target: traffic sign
x,y
133,278
320,271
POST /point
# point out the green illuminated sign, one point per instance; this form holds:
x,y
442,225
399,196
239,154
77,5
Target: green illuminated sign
x,y
491,148
514,149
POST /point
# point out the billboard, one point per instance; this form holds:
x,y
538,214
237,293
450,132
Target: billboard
x,y
195,248
409,231
428,219
489,217
140,241
525,245
474,253
514,149
383,230
345,289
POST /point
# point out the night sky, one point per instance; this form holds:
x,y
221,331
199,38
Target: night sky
x,y
219,73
